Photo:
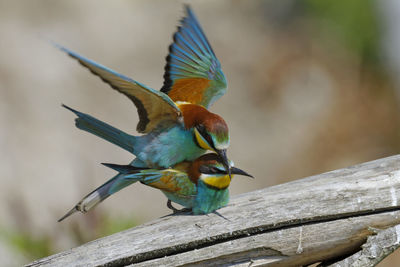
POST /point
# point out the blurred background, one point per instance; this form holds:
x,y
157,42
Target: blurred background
x,y
312,86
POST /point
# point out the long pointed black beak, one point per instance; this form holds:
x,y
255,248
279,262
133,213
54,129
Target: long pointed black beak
x,y
235,170
222,154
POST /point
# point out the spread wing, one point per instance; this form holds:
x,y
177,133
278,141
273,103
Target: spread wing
x,y
193,73
155,108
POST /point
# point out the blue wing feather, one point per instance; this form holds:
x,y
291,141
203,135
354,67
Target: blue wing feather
x,y
154,107
191,56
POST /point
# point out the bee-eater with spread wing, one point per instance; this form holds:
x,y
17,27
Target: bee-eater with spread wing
x,y
175,120
200,185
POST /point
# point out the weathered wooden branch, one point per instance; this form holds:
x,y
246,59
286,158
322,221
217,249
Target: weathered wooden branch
x,y
316,219
374,250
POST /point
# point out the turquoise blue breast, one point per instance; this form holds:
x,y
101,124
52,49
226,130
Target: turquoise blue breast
x,y
165,148
209,199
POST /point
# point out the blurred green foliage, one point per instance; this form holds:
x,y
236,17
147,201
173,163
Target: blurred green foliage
x,y
32,247
354,23
111,225
25,243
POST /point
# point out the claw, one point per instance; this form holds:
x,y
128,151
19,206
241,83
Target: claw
x,y
175,210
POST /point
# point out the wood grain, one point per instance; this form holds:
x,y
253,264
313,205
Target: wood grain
x,y
374,250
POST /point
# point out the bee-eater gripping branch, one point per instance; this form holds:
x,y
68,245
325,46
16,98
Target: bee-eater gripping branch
x,y
200,185
175,121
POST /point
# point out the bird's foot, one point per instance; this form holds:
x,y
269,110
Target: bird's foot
x,y
175,210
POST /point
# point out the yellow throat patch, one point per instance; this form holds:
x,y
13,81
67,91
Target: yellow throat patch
x,y
220,182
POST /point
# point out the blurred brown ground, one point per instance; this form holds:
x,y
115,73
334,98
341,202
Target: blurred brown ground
x,y
300,101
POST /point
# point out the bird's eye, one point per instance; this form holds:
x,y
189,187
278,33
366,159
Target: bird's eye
x,y
202,130
210,170
204,169
218,171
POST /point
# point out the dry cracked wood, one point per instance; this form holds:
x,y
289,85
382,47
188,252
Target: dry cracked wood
x,y
309,220
374,250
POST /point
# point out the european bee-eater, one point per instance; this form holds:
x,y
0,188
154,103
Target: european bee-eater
x,y
200,185
175,120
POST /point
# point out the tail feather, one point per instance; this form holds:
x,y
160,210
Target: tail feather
x,y
103,130
69,213
112,186
124,169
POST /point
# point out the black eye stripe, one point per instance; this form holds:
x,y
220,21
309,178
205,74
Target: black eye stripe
x,y
204,134
210,170
219,171
201,129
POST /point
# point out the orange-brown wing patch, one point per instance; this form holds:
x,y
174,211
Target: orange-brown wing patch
x,y
189,90
166,183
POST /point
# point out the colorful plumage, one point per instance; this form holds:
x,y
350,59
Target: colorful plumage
x,y
175,122
200,185
177,128
193,73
